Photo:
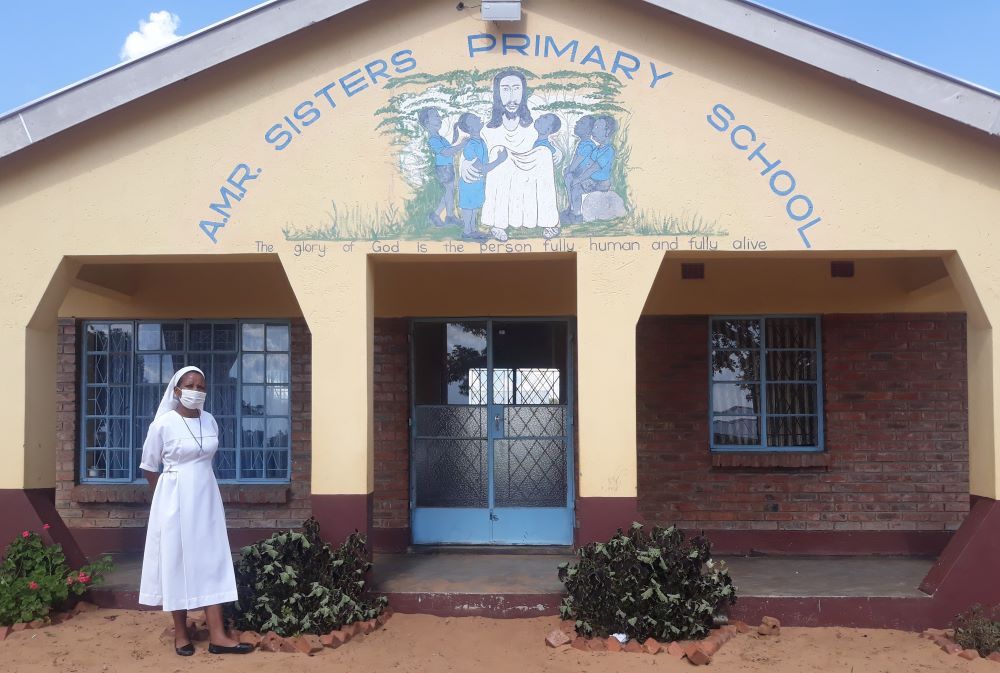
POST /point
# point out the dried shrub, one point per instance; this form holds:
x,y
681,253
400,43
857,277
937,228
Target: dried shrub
x,y
294,583
977,630
646,584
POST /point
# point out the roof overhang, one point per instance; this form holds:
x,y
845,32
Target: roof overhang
x,y
891,75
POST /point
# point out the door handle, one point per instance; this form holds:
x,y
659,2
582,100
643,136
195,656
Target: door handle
x,y
496,422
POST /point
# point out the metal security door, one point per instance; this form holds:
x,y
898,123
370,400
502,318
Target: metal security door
x,y
491,457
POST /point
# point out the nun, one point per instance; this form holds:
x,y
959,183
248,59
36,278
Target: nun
x,y
187,563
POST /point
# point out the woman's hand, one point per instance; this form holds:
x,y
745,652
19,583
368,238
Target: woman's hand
x,y
151,477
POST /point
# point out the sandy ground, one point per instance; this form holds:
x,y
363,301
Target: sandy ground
x,y
109,641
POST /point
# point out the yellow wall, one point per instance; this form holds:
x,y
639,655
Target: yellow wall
x,y
138,180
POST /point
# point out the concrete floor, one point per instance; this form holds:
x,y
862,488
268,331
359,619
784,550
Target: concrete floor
x,y
759,576
518,573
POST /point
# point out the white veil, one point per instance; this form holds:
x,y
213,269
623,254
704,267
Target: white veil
x,y
169,402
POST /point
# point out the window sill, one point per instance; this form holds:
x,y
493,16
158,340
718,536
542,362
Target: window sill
x,y
244,494
771,459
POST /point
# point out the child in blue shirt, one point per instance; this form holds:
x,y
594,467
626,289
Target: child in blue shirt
x,y
472,185
546,125
444,164
592,174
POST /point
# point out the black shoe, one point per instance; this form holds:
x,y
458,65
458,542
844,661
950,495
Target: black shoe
x,y
185,650
239,648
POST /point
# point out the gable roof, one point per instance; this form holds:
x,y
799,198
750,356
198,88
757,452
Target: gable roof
x,y
892,75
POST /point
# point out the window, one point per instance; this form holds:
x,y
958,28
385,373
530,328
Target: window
x,y
127,364
765,384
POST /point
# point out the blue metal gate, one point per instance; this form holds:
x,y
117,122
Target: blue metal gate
x,y
491,432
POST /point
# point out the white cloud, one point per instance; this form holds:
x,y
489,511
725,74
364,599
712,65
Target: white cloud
x,y
159,31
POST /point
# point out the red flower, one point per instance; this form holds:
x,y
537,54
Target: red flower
x,y
25,534
83,579
33,585
46,527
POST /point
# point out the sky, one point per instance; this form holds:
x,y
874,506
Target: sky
x,y
48,44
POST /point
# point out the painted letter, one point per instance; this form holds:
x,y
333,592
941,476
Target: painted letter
x,y
214,226
791,184
521,49
226,204
617,65
350,86
594,56
403,60
736,129
571,47
306,113
243,171
278,137
656,76
325,92
723,123
802,230
380,71
491,43
768,165
809,207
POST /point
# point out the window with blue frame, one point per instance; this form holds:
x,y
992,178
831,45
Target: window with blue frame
x,y
766,375
127,365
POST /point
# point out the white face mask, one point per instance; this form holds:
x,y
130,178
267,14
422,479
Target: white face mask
x,y
192,399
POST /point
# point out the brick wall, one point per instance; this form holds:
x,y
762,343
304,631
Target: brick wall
x,y
113,507
392,449
896,432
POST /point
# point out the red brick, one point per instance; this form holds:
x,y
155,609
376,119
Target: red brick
x,y
597,644
250,638
969,654
612,644
675,649
579,643
651,646
271,642
568,626
697,655
4,632
557,638
994,656
633,646
308,644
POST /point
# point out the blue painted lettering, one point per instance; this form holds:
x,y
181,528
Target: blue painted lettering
x,y
657,76
489,40
325,92
403,60
376,69
278,136
306,113
791,183
798,207
509,43
594,56
721,113
737,129
618,65
571,47
768,165
351,86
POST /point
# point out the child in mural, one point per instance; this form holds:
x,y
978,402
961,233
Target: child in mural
x,y
472,185
585,147
444,164
594,174
546,126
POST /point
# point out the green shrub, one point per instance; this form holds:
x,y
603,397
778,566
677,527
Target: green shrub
x,y
35,578
646,584
293,583
976,630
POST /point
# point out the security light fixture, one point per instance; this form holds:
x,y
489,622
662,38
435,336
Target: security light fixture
x,y
501,10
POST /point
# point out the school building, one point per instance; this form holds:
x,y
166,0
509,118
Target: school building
x,y
464,282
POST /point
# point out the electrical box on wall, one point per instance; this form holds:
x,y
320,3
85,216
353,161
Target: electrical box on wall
x,y
501,10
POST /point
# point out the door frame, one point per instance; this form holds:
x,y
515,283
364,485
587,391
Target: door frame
x,y
567,535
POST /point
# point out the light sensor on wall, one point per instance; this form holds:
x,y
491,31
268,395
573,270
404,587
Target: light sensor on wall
x,y
500,10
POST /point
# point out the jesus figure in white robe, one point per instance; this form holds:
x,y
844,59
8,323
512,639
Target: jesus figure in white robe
x,y
520,192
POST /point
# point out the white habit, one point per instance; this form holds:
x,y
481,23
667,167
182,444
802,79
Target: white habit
x,y
520,191
187,562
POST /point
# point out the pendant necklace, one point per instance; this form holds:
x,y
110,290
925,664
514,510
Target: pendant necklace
x,y
199,440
